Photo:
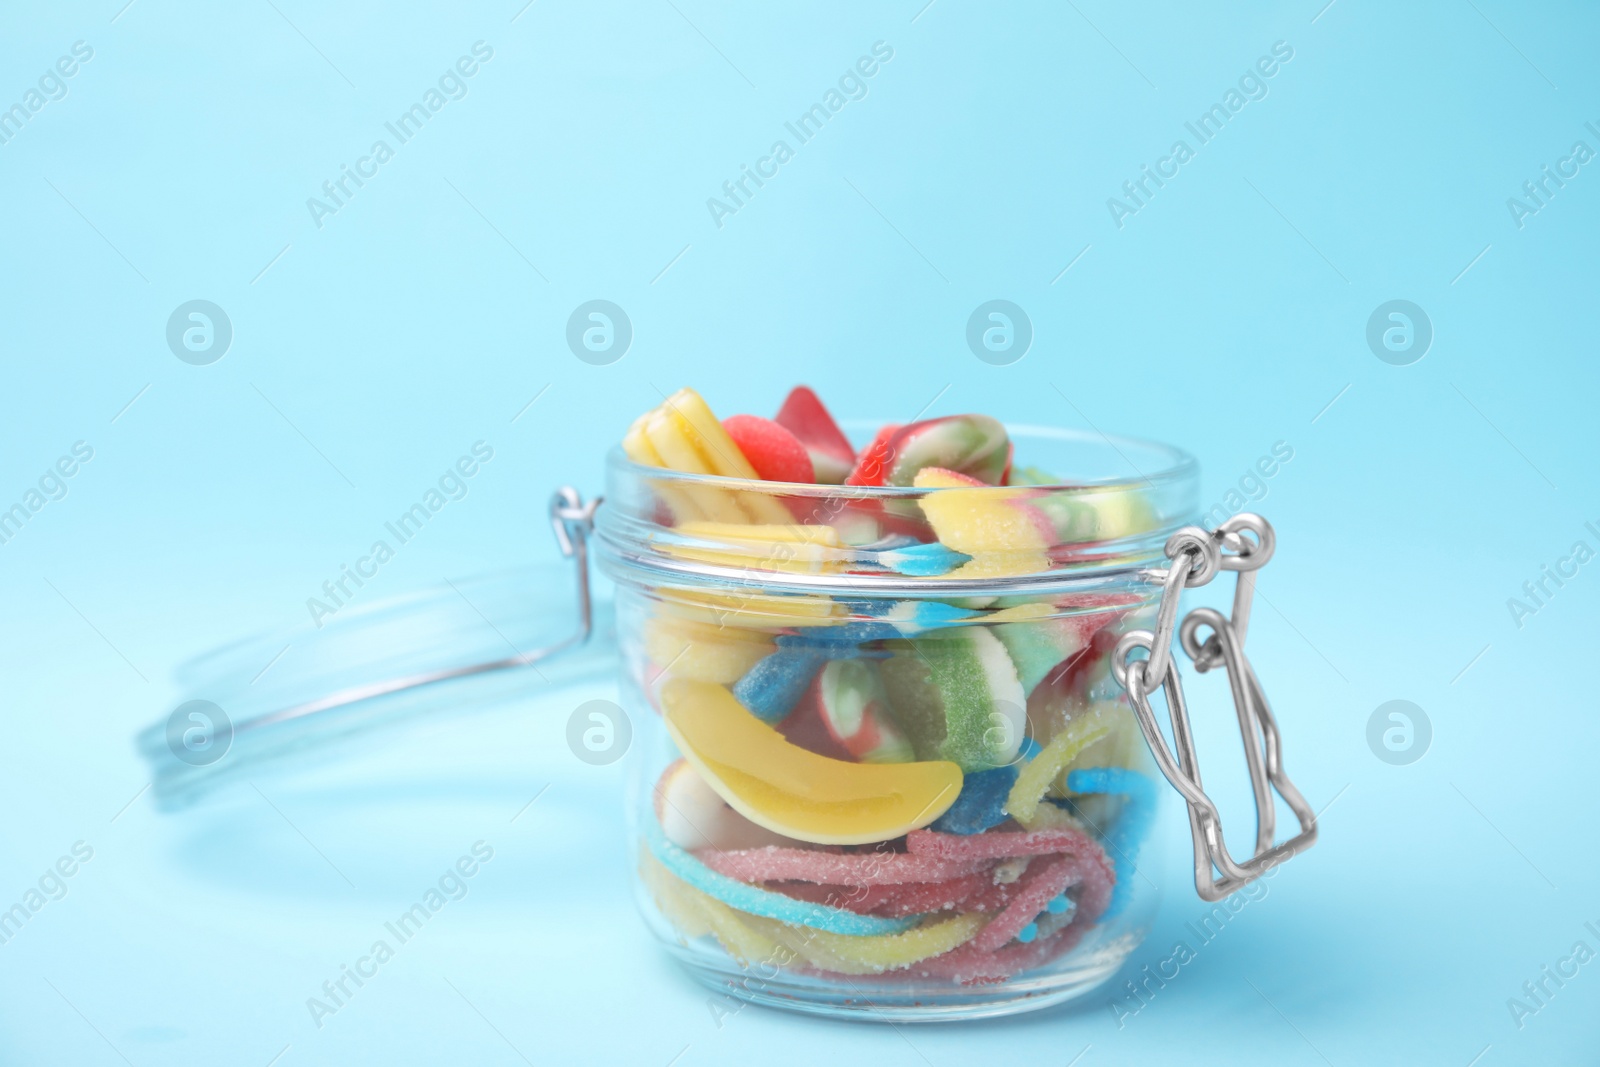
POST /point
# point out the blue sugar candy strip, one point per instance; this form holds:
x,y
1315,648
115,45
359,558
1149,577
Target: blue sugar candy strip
x,y
775,684
754,900
839,642
914,616
1132,827
923,561
981,803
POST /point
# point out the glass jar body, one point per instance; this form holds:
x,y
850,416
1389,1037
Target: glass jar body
x,y
858,794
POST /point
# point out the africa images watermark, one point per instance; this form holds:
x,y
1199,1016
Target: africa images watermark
x,y
1552,578
1538,192
452,485
852,85
452,85
52,885
1142,993
1138,192
1537,993
452,885
52,485
51,86
1252,486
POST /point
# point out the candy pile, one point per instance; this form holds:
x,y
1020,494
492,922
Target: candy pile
x,y
931,788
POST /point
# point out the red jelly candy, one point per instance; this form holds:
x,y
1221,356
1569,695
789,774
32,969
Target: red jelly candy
x,y
775,453
872,466
804,416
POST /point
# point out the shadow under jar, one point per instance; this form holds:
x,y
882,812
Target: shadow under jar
x,y
879,774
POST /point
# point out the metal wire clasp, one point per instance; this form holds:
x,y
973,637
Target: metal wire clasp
x,y
1196,557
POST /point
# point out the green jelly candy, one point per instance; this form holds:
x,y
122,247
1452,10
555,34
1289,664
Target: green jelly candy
x,y
957,694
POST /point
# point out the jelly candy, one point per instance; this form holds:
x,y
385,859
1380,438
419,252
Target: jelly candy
x,y
982,803
1043,882
693,816
788,547
999,528
758,901
872,464
856,710
682,434
1035,778
957,695
773,864
791,791
1038,643
1132,826
1080,514
875,955
776,454
974,445
775,684
701,651
803,415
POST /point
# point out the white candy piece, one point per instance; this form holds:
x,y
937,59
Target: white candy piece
x,y
694,817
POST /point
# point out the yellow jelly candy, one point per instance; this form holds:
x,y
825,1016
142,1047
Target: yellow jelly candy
x,y
998,528
1022,803
676,900
683,435
763,611
702,651
792,791
875,953
786,547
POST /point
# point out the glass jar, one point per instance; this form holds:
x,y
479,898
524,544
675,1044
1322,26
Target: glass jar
x,y
879,775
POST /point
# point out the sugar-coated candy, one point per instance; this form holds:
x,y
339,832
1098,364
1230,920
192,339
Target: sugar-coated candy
x,y
1044,881
884,953
774,684
1035,778
999,844
872,463
794,792
758,901
856,710
922,561
974,445
773,864
803,415
1039,641
998,527
1127,834
682,434
1080,514
982,803
968,892
789,547
690,649
776,454
957,695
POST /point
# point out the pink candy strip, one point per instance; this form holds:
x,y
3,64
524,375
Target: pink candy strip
x,y
1042,883
913,898
998,845
777,864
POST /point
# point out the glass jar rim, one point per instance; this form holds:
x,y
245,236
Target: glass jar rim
x,y
634,541
1179,465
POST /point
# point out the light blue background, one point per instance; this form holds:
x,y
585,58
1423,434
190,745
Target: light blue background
x,y
1225,316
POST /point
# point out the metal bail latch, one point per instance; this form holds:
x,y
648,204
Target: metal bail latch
x,y
1196,557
